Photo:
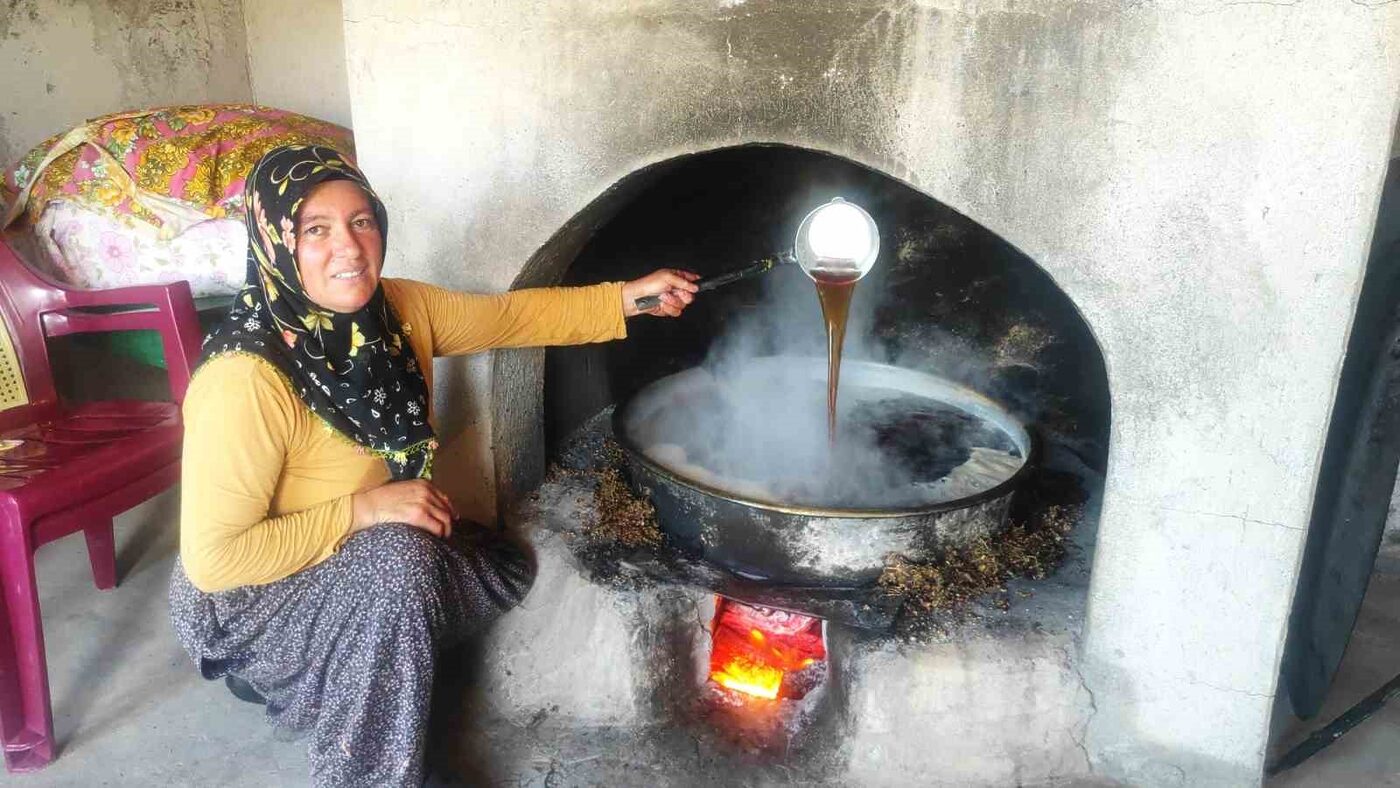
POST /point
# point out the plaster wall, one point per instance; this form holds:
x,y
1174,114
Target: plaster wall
x,y
65,61
1200,178
296,57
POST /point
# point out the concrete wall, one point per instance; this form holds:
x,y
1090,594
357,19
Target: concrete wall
x,y
64,61
296,57
1200,177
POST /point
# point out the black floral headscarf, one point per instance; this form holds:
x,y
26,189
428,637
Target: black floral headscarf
x,y
355,371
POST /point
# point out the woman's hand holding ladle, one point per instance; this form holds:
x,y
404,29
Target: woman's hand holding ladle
x,y
675,289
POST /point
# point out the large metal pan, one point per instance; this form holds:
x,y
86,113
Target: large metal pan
x,y
802,545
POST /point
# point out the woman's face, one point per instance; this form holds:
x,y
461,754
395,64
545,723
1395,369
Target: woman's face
x,y
339,247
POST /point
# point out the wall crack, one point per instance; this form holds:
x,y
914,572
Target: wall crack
x,y
1083,735
1199,683
1243,520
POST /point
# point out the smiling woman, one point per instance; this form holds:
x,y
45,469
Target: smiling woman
x,y
320,568
339,246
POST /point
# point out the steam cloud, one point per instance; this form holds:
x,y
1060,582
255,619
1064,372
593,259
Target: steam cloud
x,y
752,420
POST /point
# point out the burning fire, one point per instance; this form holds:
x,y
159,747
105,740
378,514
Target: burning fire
x,y
756,647
746,676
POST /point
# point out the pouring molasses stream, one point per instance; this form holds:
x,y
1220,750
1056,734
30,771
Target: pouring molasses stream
x,y
836,246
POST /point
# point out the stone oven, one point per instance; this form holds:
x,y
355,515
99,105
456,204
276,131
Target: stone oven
x,y
946,297
1185,190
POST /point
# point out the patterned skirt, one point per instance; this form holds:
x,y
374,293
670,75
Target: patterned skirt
x,y
346,649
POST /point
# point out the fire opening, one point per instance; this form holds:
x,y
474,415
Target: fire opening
x,y
765,652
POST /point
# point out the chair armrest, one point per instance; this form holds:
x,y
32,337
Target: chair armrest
x,y
173,316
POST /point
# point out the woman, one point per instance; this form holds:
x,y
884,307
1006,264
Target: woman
x,y
319,567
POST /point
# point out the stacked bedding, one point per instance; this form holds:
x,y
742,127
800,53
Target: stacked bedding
x,y
151,197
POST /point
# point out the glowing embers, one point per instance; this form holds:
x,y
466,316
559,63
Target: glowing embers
x,y
766,653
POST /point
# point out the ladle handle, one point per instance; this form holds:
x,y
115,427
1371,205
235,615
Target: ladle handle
x,y
765,265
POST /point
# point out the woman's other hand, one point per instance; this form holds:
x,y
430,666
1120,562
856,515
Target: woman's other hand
x,y
675,288
415,502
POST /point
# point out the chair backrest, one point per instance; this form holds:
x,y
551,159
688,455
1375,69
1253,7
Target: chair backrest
x,y
26,378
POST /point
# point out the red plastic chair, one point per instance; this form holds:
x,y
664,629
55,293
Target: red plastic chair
x,y
74,467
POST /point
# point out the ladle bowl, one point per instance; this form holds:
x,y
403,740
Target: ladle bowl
x,y
837,239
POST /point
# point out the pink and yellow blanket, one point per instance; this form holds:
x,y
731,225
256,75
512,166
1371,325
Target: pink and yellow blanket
x,y
166,168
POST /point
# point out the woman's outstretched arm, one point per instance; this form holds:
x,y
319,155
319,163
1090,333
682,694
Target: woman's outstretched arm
x,y
462,323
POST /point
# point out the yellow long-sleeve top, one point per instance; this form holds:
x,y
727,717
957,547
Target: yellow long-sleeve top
x,y
267,484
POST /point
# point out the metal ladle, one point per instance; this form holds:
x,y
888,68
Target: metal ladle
x,y
836,240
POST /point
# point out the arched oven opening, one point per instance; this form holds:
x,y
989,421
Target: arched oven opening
x,y
946,297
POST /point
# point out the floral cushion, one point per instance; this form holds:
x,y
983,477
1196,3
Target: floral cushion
x,y
153,196
167,169
94,250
